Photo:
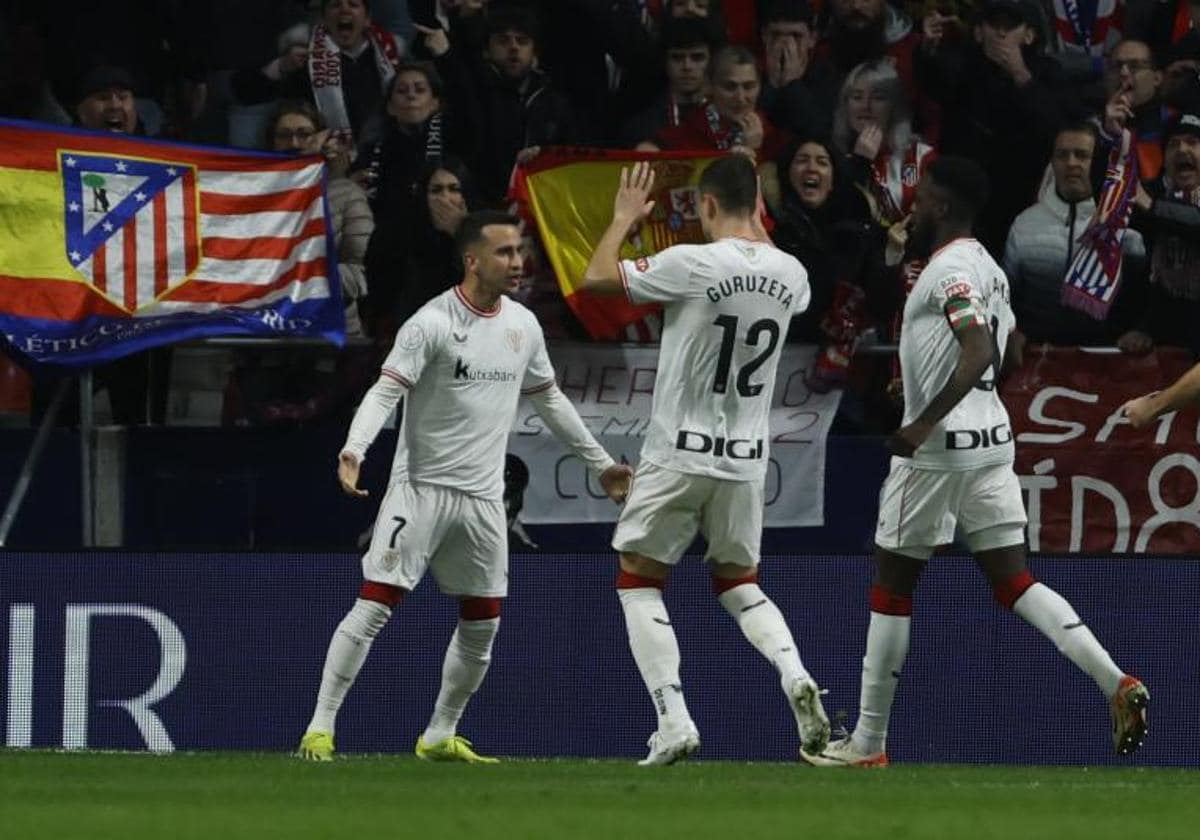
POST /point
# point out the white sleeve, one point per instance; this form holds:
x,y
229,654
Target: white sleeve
x,y
564,421
372,413
660,278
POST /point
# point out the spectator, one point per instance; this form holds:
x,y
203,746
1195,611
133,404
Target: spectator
x,y
413,260
1167,212
872,130
520,107
862,30
1131,82
1002,102
346,68
1041,246
429,115
687,48
799,88
106,101
730,121
297,128
1180,88
1083,33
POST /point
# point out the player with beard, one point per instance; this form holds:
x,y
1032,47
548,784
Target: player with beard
x,y
952,470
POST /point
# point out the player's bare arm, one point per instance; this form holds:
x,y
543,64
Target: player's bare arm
x,y
1146,409
564,422
632,204
975,356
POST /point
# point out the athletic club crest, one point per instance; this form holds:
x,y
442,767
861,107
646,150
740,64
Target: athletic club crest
x,y
514,340
132,228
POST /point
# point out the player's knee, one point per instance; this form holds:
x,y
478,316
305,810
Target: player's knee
x,y
887,602
721,585
628,580
381,593
1009,590
479,609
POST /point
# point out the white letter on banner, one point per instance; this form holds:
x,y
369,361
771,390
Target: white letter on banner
x,y
1037,415
20,676
1164,513
172,660
1080,484
1035,484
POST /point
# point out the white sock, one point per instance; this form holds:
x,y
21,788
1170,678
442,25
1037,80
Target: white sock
x,y
467,658
1050,613
764,627
887,648
348,650
656,652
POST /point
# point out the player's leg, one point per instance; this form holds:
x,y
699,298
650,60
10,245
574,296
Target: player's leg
x,y
393,564
471,562
656,526
731,521
1016,589
993,519
347,652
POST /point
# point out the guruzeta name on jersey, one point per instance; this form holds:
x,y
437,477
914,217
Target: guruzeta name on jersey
x,y
768,286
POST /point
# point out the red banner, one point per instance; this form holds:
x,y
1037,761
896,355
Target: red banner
x,y
1092,482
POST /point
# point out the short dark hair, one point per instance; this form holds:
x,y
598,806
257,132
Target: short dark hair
x,y
426,69
733,55
733,182
293,106
965,183
471,229
325,4
786,11
1075,126
681,33
512,19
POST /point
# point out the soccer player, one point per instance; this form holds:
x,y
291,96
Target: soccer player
x,y
952,468
1183,392
726,308
461,363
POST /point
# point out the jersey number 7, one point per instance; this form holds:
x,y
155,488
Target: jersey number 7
x,y
729,324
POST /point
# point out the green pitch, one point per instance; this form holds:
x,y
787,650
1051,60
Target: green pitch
x,y
223,796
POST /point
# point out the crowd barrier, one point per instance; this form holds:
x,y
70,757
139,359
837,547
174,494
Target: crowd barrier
x,y
186,651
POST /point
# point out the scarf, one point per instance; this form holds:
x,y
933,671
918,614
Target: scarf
x,y
435,150
1095,273
325,70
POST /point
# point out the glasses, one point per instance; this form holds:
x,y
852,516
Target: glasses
x,y
1133,65
284,135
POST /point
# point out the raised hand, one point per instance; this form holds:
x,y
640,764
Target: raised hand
x,y
633,202
869,141
435,38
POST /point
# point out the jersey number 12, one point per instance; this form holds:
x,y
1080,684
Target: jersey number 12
x,y
729,326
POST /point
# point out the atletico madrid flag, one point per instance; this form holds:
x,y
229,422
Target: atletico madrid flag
x,y
110,244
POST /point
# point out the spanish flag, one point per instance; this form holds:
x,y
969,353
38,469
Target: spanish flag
x,y
110,244
567,194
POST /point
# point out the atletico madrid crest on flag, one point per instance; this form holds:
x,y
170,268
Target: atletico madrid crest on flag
x,y
131,225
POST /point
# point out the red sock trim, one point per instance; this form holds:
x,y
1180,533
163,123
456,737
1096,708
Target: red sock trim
x,y
628,580
479,609
722,585
889,603
382,593
1008,591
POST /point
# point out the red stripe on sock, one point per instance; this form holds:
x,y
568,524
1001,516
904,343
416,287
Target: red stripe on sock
x,y
1008,591
889,603
722,585
479,609
381,593
628,580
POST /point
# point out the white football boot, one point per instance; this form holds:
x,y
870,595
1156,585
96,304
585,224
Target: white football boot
x,y
668,746
811,721
843,753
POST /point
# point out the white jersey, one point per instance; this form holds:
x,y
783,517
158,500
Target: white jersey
x,y
465,370
726,308
961,281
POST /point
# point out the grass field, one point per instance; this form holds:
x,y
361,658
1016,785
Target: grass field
x,y
221,796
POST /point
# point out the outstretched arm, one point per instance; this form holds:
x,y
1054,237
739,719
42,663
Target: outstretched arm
x,y
974,359
1146,409
564,421
632,204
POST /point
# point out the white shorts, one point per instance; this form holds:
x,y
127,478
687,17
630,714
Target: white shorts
x,y
461,539
666,508
920,510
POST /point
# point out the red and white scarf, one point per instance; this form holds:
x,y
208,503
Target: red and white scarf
x,y
325,70
896,179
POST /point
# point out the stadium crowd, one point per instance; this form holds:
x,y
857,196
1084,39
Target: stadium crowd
x,y
423,108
